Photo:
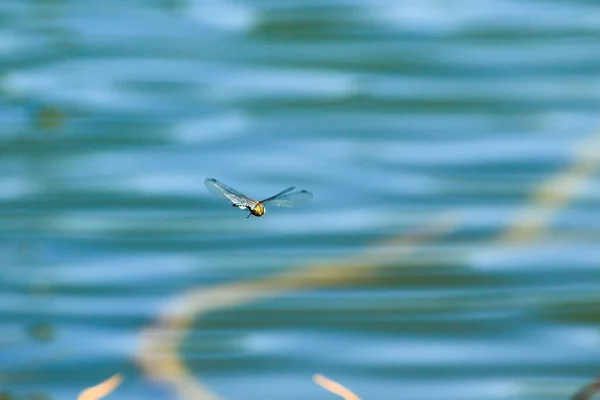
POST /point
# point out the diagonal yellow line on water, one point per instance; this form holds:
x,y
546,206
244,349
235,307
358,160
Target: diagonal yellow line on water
x,y
102,389
334,387
554,194
158,354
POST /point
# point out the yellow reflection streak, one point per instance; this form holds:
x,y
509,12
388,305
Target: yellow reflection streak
x,y
158,354
334,387
554,194
102,389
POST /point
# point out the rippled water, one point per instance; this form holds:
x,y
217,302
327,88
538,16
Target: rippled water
x,y
451,249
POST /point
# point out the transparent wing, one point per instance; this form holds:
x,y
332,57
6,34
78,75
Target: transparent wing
x,y
279,194
222,190
289,200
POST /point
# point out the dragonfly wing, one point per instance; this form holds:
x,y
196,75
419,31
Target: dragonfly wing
x,y
291,199
279,194
222,190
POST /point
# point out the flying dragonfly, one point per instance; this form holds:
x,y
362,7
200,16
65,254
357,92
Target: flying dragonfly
x,y
285,198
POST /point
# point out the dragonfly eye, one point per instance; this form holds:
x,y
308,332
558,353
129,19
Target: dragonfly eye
x,y
258,210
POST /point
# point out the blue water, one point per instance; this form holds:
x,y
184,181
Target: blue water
x,y
451,248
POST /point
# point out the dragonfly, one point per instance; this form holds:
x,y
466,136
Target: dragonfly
x,y
285,198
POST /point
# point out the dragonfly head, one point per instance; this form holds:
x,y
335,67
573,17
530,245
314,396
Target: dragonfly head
x,y
258,210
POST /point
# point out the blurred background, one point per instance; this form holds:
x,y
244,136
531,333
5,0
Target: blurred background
x,y
452,247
